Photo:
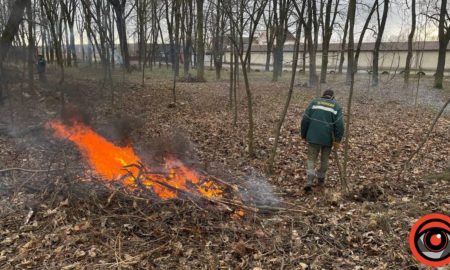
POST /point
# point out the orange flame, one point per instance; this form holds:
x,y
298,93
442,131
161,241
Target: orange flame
x,y
114,163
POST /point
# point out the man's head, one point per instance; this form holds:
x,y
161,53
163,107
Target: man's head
x,y
328,94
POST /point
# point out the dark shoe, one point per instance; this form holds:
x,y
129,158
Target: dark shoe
x,y
321,181
307,189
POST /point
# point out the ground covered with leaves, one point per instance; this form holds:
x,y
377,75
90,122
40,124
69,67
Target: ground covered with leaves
x,y
56,214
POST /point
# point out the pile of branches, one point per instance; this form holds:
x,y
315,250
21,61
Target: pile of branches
x,y
73,223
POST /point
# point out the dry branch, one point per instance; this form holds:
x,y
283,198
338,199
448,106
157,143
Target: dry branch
x,y
425,139
36,170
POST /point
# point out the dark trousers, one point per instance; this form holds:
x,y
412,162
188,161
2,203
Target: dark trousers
x,y
313,152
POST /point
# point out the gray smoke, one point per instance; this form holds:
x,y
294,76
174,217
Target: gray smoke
x,y
256,190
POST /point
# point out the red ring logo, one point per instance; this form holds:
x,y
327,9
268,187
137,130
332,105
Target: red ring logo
x,y
429,240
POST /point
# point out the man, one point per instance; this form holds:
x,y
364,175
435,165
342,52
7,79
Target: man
x,y
41,67
322,127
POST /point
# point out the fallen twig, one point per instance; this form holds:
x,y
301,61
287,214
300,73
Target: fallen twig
x,y
36,170
425,139
344,185
232,186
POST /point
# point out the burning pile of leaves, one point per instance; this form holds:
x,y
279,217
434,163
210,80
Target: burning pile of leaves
x,y
123,213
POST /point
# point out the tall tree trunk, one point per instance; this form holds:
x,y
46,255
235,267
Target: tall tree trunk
x,y
305,48
312,46
363,32
230,102
169,22
235,86
52,47
11,28
269,35
444,37
376,50
44,49
188,43
280,122
249,57
55,25
218,40
268,54
327,30
83,53
73,50
344,40
31,48
410,41
67,47
113,42
439,77
177,39
277,61
239,22
351,21
9,32
140,14
200,43
324,66
119,9
249,106
281,9
121,30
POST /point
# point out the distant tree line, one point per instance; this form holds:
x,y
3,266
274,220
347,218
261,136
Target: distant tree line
x,y
187,27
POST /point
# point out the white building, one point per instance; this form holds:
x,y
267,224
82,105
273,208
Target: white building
x,y
392,57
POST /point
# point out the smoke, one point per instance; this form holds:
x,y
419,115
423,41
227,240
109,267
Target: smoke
x,y
174,144
256,190
253,187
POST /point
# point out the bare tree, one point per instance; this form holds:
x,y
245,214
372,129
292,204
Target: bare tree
x,y
99,33
177,15
410,41
363,33
444,37
218,38
280,122
11,28
234,72
188,26
54,13
240,15
281,14
9,32
311,26
170,23
119,7
327,32
31,45
200,42
141,23
154,32
376,50
351,22
343,45
270,33
69,8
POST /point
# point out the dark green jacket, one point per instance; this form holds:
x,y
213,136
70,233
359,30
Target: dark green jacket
x,y
41,66
323,122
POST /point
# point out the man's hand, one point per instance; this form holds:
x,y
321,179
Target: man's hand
x,y
336,145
